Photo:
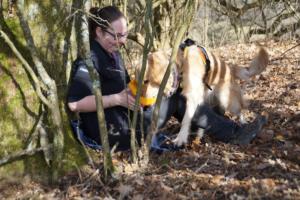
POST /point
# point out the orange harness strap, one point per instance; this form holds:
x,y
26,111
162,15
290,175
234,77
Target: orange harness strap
x,y
144,101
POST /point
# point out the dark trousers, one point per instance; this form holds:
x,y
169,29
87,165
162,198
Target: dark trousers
x,y
205,117
215,125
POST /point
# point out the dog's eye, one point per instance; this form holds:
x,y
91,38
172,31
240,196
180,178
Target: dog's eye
x,y
146,81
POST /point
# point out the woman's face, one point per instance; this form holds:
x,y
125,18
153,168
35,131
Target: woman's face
x,y
114,37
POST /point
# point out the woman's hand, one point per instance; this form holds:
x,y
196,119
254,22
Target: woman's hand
x,y
125,99
73,106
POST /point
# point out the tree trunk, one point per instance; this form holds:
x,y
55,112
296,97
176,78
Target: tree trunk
x,y
147,47
52,98
84,52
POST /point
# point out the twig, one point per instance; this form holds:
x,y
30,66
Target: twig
x,y
21,154
32,140
202,166
280,57
97,175
78,171
26,66
292,118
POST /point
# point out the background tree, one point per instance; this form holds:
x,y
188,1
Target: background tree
x,y
46,90
259,17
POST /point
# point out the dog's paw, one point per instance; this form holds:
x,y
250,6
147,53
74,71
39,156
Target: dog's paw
x,y
180,141
200,133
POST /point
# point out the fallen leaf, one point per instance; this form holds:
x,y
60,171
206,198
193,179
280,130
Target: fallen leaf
x,y
124,191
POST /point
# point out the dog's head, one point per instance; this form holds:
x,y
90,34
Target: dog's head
x,y
157,64
156,68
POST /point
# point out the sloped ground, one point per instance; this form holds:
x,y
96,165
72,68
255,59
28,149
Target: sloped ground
x,y
266,169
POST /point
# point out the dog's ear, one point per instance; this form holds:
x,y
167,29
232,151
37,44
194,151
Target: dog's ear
x,y
137,66
157,65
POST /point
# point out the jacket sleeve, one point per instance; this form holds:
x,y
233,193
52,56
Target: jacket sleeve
x,y
80,82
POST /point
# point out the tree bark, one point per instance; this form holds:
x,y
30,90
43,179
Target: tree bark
x,y
52,98
21,154
147,47
84,52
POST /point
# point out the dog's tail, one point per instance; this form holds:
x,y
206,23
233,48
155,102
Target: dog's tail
x,y
258,64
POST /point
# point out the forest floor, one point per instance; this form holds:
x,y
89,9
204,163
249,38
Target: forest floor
x,y
268,168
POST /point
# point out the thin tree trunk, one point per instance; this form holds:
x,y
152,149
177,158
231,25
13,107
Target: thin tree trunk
x,y
147,47
53,106
84,52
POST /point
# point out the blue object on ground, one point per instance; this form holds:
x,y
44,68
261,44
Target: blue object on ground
x,y
162,143
81,138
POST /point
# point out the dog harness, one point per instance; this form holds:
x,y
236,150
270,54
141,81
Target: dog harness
x,y
203,54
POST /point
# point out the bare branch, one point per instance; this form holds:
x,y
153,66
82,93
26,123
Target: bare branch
x,y
279,57
296,11
84,52
27,67
31,46
33,138
138,38
239,11
21,154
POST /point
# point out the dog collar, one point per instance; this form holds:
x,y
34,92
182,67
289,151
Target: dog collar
x,y
144,101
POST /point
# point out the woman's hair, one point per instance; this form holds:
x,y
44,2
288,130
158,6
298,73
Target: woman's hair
x,y
102,17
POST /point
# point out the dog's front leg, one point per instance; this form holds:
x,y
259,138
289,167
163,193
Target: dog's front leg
x,y
183,134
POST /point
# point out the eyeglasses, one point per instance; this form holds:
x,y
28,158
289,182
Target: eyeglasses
x,y
116,35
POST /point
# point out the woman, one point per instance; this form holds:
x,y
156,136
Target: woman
x,y
108,31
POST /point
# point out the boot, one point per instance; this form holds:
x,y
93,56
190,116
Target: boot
x,y
223,129
247,132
